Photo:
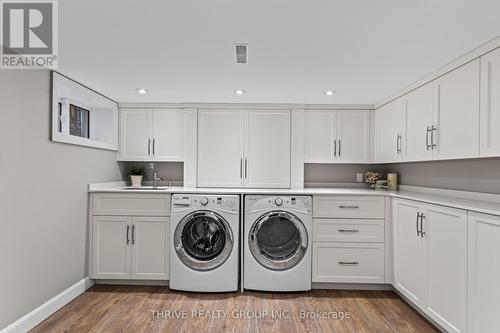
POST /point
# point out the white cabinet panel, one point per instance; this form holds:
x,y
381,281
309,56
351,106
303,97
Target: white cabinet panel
x,y
456,115
484,273
490,104
419,122
267,161
136,134
389,132
348,262
168,135
446,233
348,230
409,252
328,206
111,240
320,136
220,148
150,248
353,136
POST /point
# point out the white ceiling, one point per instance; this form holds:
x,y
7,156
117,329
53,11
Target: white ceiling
x,y
183,51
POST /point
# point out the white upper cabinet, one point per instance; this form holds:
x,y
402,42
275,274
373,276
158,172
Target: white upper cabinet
x,y
220,148
337,136
135,134
490,104
389,132
419,122
456,116
151,135
267,162
244,148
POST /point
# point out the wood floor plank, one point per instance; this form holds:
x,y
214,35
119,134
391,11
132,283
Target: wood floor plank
x,y
147,309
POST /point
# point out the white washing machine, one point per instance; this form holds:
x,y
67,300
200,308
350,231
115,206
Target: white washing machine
x,y
277,243
204,238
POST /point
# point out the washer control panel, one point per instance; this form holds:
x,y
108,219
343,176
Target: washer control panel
x,y
184,201
301,203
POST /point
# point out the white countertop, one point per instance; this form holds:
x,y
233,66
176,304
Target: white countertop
x,y
471,201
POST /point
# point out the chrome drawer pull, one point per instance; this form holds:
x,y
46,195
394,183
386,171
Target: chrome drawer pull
x,y
348,207
349,230
348,263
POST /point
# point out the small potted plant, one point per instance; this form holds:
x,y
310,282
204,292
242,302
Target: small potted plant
x,y
136,174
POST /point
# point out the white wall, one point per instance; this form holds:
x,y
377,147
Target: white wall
x,y
43,197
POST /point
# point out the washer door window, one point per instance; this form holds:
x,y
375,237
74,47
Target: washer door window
x,y
203,240
278,240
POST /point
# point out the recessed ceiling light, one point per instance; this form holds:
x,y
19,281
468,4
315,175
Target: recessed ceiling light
x,y
239,91
141,91
330,92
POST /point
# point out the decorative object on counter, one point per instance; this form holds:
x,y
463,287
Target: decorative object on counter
x,y
372,177
392,181
382,185
136,174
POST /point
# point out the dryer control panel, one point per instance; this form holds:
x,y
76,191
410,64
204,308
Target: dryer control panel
x,y
184,201
300,203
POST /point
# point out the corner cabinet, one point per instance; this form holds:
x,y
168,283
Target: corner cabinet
x,y
244,148
389,132
337,136
430,260
130,244
151,135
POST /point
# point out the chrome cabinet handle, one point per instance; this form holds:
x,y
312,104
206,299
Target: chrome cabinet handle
x,y
149,147
353,231
241,167
418,231
398,143
427,145
154,144
348,263
348,207
433,128
422,217
246,168
335,147
340,147
128,230
133,234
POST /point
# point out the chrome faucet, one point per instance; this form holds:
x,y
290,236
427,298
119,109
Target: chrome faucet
x,y
156,175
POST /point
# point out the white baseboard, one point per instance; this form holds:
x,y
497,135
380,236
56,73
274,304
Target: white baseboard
x,y
45,310
351,286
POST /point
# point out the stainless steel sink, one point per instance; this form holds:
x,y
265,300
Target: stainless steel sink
x,y
136,188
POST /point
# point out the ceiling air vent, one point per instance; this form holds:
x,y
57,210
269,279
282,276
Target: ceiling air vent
x,y
241,53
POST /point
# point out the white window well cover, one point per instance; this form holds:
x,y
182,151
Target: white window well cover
x,y
81,116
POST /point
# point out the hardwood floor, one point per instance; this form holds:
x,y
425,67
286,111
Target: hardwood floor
x,y
105,308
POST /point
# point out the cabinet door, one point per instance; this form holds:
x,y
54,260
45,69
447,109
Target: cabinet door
x,y
267,163
484,273
457,113
490,104
409,252
136,134
419,104
389,136
150,246
168,135
353,145
320,136
220,148
446,298
111,246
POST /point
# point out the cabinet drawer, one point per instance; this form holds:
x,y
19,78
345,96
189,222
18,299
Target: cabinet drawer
x,y
131,204
349,207
348,262
347,230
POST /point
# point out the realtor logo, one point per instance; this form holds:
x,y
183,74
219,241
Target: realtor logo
x,y
29,34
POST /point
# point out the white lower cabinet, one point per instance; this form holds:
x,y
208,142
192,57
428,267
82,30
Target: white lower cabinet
x,y
125,247
430,260
484,273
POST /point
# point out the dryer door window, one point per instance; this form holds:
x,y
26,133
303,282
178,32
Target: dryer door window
x,y
278,240
203,240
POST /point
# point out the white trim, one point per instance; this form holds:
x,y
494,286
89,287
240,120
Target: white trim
x,y
454,64
35,317
272,106
351,286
